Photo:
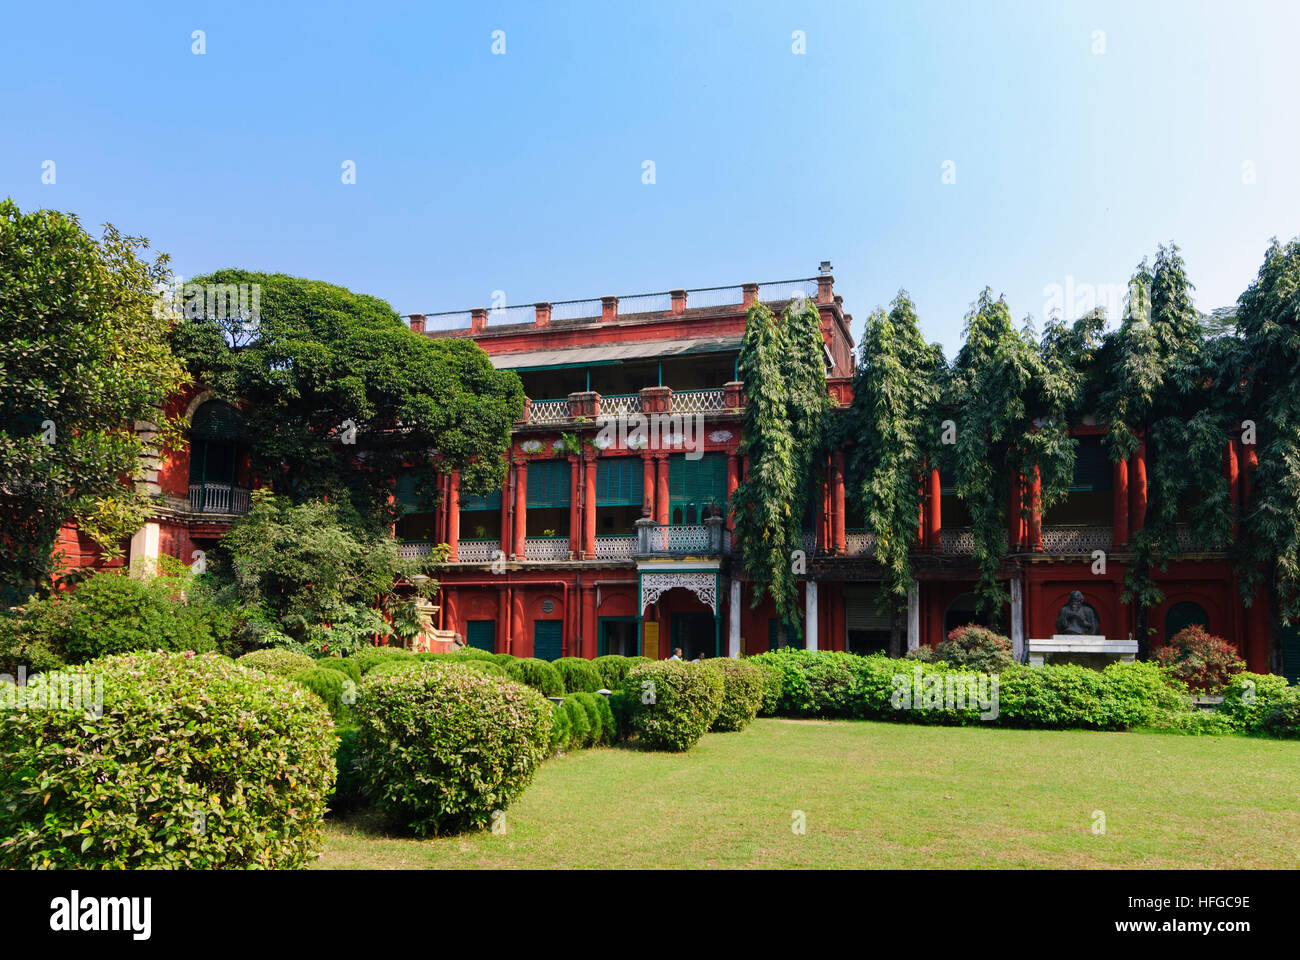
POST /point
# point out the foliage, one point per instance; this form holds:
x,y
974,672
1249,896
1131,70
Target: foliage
x,y
580,732
977,648
1248,699
1201,660
579,674
541,675
334,689
349,667
348,790
1283,720
742,693
82,350
773,684
195,762
320,356
561,729
283,663
598,731
442,749
613,668
672,703
368,658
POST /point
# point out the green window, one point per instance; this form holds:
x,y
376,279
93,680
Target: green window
x,y
617,635
548,483
474,501
1092,467
697,483
619,481
481,634
548,638
216,433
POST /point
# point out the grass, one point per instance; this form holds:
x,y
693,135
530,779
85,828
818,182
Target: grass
x,y
883,795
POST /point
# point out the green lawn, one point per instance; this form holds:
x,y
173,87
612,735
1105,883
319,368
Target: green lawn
x,y
885,795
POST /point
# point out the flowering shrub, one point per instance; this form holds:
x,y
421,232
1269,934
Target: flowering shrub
x,y
441,748
742,693
196,762
671,704
1201,660
976,648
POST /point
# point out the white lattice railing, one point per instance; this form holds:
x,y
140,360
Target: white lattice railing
x,y
410,549
615,548
698,401
858,543
959,541
548,411
546,548
218,498
620,404
1076,539
681,539
477,551
808,542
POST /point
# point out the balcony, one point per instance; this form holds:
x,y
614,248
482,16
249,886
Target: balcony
x,y
649,400
219,498
680,540
546,548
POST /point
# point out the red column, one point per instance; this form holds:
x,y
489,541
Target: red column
x,y
935,505
1119,503
507,528
522,642
1015,522
521,508
440,517
453,515
733,480
1232,471
1036,512
1249,461
503,621
647,485
588,645
837,501
1137,489
819,519
661,488
589,508
451,616
575,503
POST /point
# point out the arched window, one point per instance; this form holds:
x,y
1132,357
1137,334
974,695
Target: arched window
x,y
217,441
1183,615
961,612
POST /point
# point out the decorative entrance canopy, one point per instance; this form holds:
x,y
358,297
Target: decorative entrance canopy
x,y
703,583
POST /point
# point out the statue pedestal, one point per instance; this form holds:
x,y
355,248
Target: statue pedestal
x,y
1085,649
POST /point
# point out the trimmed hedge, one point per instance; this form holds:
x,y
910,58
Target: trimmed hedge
x,y
331,686
348,793
1249,698
742,693
613,669
196,762
282,663
344,665
671,703
442,749
579,674
538,674
773,685
1283,721
600,732
560,728
367,659
580,732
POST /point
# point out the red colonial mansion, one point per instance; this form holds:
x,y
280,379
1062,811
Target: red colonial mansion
x,y
603,541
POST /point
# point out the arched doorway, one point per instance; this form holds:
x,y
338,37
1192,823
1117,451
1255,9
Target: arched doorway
x,y
218,441
1182,615
961,612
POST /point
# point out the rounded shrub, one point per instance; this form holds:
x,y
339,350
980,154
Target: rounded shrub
x,y
579,674
348,794
976,648
195,762
282,663
392,665
1283,720
482,666
334,688
344,665
580,733
612,669
608,724
503,658
599,732
1201,660
672,703
441,749
538,674
742,693
560,728
369,657
1249,698
620,712
773,684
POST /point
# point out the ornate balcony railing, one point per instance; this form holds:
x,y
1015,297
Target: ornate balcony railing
x,y
478,550
548,411
218,498
677,540
696,401
615,548
1081,539
859,543
619,404
546,548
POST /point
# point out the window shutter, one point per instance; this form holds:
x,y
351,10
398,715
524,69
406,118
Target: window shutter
x,y
618,481
548,483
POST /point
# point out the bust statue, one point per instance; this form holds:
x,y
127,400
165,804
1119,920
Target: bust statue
x,y
1076,617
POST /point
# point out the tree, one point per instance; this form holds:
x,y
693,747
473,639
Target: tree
x,y
340,396
765,499
83,358
893,427
808,406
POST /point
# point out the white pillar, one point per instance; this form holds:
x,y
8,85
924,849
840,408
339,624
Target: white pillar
x,y
810,615
733,620
145,547
1017,619
913,616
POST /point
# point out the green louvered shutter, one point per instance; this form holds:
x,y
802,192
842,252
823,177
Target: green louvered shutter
x,y
547,637
481,634
548,483
1291,653
697,482
619,481
472,501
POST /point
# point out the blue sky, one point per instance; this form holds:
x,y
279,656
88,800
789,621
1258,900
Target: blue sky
x,y
523,172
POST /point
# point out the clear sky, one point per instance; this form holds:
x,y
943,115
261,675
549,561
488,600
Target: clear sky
x,y
1074,152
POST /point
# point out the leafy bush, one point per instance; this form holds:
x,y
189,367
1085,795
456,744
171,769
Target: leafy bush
x,y
538,674
483,666
393,665
924,653
1201,660
560,728
348,793
336,690
442,748
773,684
620,712
608,722
344,665
613,669
20,646
1283,720
975,648
672,703
367,659
503,659
112,613
283,663
813,683
742,693
578,674
1249,698
196,762
580,733
599,732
